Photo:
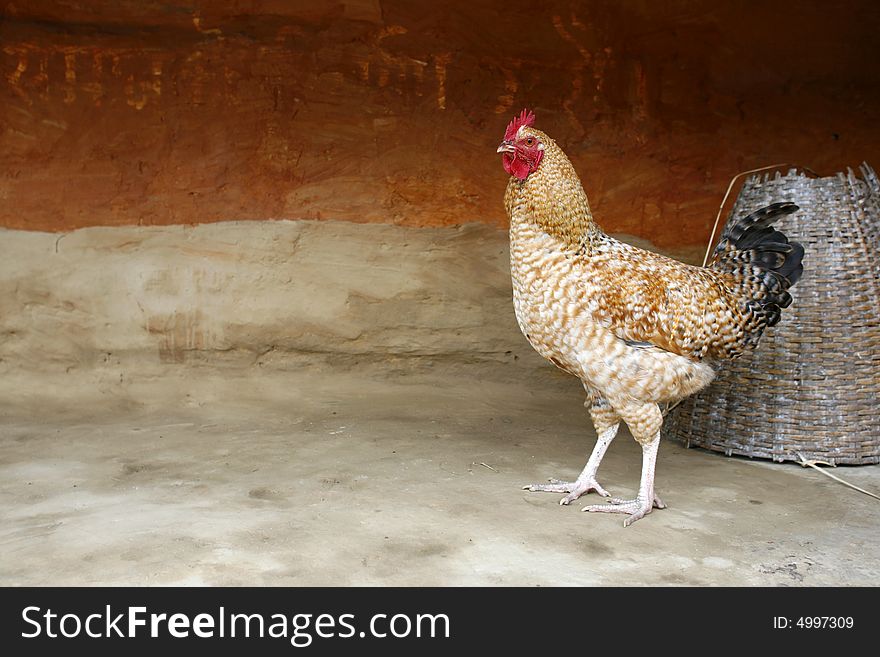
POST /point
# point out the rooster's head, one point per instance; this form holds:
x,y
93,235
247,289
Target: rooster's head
x,y
522,150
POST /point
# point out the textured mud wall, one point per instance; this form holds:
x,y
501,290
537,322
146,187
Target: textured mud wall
x,y
145,112
123,300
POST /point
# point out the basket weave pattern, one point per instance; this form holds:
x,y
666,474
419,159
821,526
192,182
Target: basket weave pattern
x,y
812,386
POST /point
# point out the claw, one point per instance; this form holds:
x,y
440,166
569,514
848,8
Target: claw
x,y
574,488
631,519
636,508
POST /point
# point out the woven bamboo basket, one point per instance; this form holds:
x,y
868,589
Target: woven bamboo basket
x,y
812,385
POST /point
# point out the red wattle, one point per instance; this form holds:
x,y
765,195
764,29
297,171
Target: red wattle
x,y
519,167
507,162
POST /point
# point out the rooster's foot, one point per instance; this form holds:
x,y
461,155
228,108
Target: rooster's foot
x,y
637,508
574,488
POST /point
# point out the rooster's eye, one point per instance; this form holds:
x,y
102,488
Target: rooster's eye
x,y
530,141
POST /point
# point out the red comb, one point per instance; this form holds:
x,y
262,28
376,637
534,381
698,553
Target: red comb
x,y
525,118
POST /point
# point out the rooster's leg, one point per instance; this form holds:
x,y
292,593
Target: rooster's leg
x,y
647,499
586,481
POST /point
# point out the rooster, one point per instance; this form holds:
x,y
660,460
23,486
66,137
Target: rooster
x,y
637,328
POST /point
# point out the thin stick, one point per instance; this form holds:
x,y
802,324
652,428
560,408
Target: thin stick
x,y
724,200
669,407
812,464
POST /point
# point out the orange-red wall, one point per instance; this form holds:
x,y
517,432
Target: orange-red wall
x,y
138,111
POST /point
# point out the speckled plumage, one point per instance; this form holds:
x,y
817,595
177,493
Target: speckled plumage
x,y
636,327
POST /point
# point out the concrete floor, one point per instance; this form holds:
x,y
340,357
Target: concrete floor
x,y
391,474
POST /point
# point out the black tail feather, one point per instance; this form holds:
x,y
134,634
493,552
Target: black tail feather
x,y
793,268
761,260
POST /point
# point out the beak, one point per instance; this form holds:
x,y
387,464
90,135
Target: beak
x,y
506,147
